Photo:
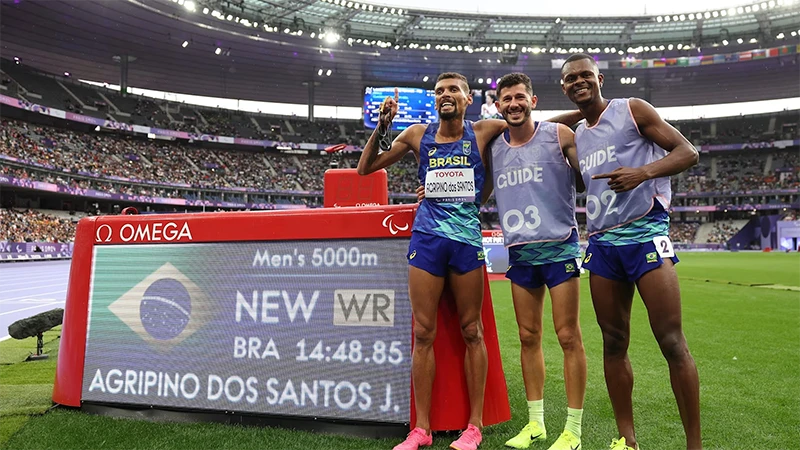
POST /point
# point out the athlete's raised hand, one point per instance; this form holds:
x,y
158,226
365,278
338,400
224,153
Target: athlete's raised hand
x,y
623,178
388,110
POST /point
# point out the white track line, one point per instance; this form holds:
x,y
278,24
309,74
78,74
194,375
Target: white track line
x,y
5,300
30,307
34,287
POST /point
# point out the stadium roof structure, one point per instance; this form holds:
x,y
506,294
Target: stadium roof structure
x,y
273,50
408,28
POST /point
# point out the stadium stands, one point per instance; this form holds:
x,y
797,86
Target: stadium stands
x,y
34,226
118,163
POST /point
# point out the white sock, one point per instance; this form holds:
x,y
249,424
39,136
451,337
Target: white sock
x,y
536,411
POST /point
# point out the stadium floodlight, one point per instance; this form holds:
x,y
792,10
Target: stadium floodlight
x,y
633,80
753,40
480,80
659,19
218,51
230,17
185,44
794,33
780,36
331,38
740,41
620,53
319,72
691,16
724,42
488,81
205,10
740,10
328,73
66,74
714,14
558,20
755,8
425,79
682,17
669,47
190,6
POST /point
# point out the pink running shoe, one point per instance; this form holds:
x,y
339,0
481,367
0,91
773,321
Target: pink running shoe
x,y
470,439
416,439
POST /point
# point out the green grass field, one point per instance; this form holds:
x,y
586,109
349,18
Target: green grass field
x,y
744,338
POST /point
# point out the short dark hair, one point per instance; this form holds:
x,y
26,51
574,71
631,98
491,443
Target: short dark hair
x,y
457,76
578,57
513,79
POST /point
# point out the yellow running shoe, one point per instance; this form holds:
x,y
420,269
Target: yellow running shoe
x,y
567,441
530,433
619,444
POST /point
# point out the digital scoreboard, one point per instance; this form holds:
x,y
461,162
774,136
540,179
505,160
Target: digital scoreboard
x,y
290,318
276,327
415,106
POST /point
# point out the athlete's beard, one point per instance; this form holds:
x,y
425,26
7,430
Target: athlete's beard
x,y
454,114
526,114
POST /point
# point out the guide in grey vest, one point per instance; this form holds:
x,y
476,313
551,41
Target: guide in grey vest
x,y
534,187
614,142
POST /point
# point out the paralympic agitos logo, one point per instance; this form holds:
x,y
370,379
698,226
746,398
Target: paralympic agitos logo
x,y
393,227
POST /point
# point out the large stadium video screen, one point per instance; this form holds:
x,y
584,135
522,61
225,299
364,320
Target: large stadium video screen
x,y
416,106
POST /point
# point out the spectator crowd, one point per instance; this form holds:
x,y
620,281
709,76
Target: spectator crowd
x,y
34,226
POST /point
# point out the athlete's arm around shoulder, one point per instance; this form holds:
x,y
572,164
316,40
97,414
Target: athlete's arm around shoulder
x,y
682,154
486,130
569,118
371,160
567,139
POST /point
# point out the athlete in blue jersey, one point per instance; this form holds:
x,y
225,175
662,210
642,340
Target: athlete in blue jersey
x,y
446,241
534,165
626,153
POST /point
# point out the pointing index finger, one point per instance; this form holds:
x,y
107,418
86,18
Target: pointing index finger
x,y
396,95
602,175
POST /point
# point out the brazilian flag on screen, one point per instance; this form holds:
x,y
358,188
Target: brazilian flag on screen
x,y
154,295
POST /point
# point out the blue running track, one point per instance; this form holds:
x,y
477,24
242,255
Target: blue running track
x,y
28,288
